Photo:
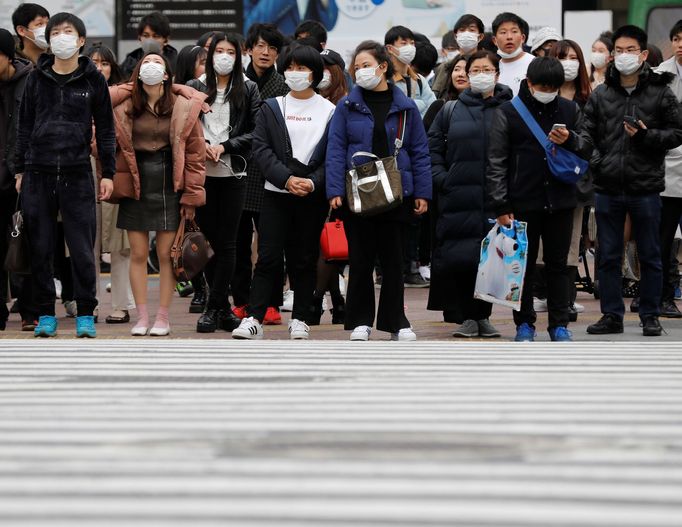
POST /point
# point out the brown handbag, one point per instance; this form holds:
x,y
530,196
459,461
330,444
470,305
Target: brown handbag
x,y
18,257
190,252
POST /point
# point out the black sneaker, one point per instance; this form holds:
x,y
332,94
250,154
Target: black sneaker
x,y
208,322
572,313
634,305
228,321
607,324
651,327
670,310
198,303
415,280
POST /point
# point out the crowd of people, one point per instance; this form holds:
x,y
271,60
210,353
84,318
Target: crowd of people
x,y
254,136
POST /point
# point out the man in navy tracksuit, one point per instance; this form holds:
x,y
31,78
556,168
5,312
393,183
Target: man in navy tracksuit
x,y
64,96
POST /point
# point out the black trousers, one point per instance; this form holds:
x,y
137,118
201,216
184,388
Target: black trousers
x,y
243,272
290,225
219,221
73,194
468,307
379,236
555,229
671,211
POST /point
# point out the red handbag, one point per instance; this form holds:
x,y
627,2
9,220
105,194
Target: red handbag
x,y
333,242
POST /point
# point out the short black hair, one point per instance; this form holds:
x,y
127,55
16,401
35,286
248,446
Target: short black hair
x,y
421,37
606,38
205,38
484,54
379,52
64,18
655,56
631,31
314,29
26,13
157,21
312,42
466,20
676,29
514,19
307,56
267,32
425,59
449,40
397,32
546,71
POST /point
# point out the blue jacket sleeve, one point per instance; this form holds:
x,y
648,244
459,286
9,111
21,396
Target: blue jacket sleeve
x,y
337,145
274,169
418,149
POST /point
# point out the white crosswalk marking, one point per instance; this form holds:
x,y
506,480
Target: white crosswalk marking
x,y
263,433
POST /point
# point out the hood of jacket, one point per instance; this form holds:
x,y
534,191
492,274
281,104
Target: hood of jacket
x,y
86,68
22,68
501,94
646,76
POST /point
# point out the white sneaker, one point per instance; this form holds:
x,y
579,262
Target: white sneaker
x,y
325,305
425,271
342,285
58,288
579,308
249,329
288,301
298,330
139,331
108,287
71,308
361,333
540,305
405,335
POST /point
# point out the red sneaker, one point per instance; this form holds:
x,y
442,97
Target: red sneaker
x,y
272,317
239,312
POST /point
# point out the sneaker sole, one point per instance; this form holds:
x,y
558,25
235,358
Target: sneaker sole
x,y
292,337
610,332
250,337
670,315
44,335
86,335
490,336
459,335
656,333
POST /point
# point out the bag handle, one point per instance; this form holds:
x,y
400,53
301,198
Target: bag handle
x,y
402,122
177,242
531,123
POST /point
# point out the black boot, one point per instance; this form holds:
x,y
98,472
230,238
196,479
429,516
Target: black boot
x,y
338,311
572,293
208,322
315,312
198,303
227,320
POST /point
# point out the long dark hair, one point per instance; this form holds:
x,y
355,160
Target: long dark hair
x,y
338,87
236,92
583,88
451,93
186,63
164,106
117,76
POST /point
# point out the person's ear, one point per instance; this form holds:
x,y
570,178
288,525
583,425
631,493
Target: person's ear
x,y
645,55
495,41
480,37
21,30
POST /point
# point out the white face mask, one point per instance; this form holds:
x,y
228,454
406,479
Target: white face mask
x,y
39,37
152,73
511,55
599,59
544,98
367,78
467,41
627,63
451,55
64,46
482,82
297,80
326,81
223,63
571,68
406,53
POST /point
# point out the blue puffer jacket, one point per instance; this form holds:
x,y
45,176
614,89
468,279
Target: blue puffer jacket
x,y
351,131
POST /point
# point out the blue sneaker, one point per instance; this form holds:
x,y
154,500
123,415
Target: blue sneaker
x,y
85,327
560,334
524,333
678,293
47,327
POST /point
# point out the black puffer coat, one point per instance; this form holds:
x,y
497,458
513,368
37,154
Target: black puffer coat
x,y
458,142
518,178
635,165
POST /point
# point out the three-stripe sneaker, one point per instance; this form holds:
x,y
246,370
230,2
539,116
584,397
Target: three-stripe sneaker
x,y
248,329
298,330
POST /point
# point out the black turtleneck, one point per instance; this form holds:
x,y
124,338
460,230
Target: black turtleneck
x,y
379,103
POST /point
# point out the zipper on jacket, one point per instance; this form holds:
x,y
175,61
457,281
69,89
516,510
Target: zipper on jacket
x,y
163,191
625,144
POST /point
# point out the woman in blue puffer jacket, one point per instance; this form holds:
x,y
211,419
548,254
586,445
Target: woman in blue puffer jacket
x,y
367,120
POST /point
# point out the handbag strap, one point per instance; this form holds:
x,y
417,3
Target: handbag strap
x,y
177,242
402,122
530,121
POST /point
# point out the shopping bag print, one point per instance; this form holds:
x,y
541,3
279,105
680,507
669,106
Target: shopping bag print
x,y
502,267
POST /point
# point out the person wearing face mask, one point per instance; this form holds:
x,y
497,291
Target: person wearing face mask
x,y
367,121
64,96
399,42
522,187
600,58
289,147
544,40
631,121
153,33
576,88
30,21
228,129
509,37
457,140
468,33
160,171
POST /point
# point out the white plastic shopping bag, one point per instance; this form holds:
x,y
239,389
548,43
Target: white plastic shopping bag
x,y
502,267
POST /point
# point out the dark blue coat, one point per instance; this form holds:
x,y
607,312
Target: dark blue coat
x,y
351,131
458,142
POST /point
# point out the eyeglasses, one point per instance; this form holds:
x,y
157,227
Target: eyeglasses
x,y
629,51
263,47
478,72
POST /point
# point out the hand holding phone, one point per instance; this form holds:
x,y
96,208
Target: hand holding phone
x,y
558,126
632,121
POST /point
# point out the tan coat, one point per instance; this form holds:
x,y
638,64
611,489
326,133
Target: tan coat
x,y
187,144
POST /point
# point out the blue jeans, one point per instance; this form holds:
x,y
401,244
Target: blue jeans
x,y
645,213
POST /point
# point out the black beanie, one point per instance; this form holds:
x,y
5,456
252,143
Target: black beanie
x,y
7,43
